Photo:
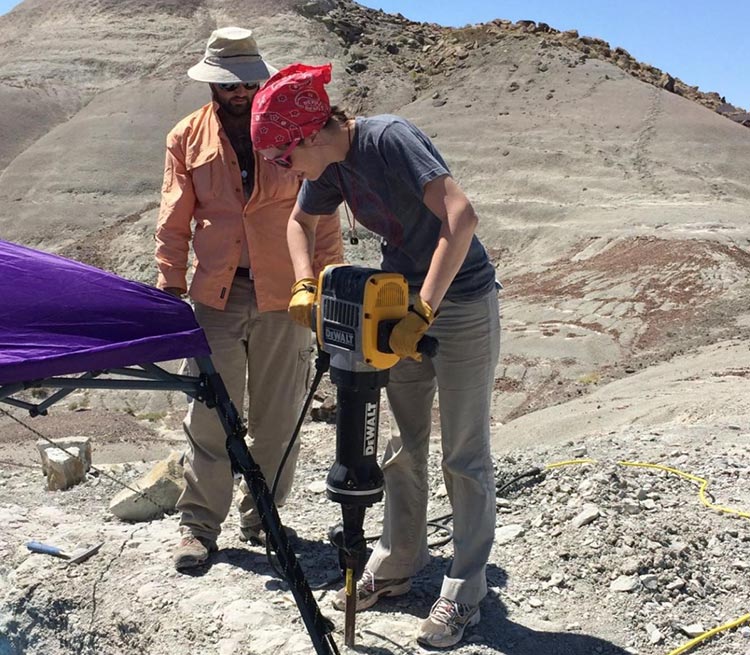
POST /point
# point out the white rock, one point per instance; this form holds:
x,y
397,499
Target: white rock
x,y
159,491
64,468
317,486
508,533
589,514
625,583
678,547
679,583
82,444
693,630
230,646
654,635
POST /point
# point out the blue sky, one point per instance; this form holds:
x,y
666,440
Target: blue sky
x,y
703,42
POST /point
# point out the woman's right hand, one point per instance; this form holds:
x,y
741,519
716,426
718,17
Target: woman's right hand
x,y
303,301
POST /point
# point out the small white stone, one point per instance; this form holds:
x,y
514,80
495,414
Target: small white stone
x,y
625,583
317,486
693,630
508,533
588,514
654,635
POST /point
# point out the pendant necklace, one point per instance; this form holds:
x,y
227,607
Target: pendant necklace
x,y
351,220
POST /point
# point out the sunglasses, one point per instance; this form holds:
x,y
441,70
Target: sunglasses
x,y
283,159
250,86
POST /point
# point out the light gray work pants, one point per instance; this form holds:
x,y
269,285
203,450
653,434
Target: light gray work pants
x,y
267,355
463,373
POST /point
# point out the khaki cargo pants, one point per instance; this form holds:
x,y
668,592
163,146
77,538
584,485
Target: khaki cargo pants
x,y
267,356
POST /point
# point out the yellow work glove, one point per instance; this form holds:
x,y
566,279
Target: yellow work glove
x,y
303,299
409,330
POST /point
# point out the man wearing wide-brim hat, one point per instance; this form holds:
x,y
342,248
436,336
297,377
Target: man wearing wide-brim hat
x,y
233,206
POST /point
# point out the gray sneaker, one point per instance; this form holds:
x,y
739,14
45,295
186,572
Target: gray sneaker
x,y
370,590
193,552
446,623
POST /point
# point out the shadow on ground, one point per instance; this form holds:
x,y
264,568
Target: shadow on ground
x,y
319,562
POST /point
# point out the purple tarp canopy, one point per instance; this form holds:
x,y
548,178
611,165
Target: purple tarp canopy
x,y
60,317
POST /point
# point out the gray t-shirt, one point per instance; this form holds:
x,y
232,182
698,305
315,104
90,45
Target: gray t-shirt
x,y
382,180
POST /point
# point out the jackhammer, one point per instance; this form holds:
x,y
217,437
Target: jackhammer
x,y
355,311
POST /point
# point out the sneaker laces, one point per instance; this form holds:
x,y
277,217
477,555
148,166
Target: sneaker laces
x,y
368,580
445,610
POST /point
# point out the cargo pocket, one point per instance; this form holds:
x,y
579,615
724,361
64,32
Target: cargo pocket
x,y
303,376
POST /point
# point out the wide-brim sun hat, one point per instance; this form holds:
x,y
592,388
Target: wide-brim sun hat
x,y
231,56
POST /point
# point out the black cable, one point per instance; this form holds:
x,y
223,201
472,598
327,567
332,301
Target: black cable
x,y
322,362
440,522
534,472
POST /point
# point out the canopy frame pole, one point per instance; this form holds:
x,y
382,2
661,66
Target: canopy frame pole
x,y
209,389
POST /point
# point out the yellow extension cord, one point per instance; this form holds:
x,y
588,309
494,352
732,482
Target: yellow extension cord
x,y
702,495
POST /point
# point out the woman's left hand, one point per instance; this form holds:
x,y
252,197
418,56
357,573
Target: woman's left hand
x,y
410,329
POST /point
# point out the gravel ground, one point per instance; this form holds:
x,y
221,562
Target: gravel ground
x,y
589,558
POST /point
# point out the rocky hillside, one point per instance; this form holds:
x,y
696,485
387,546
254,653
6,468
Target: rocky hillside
x,y
615,210
430,49
614,201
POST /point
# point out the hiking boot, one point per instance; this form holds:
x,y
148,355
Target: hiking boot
x,y
255,535
446,623
370,590
192,552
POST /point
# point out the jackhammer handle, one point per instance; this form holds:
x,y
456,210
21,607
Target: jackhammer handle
x,y
427,345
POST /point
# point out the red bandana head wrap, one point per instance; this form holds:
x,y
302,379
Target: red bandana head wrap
x,y
290,106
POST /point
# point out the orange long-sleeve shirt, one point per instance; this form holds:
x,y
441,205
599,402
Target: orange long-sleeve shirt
x,y
203,185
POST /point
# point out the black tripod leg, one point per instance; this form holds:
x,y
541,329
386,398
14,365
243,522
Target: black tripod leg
x,y
318,627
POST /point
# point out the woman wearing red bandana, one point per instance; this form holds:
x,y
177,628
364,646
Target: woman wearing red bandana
x,y
398,186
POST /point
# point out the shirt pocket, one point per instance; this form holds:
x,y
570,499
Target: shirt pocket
x,y
207,177
275,183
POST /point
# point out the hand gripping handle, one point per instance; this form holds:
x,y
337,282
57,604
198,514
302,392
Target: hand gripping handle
x,y
427,345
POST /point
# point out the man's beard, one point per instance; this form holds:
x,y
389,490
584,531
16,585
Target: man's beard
x,y
236,110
